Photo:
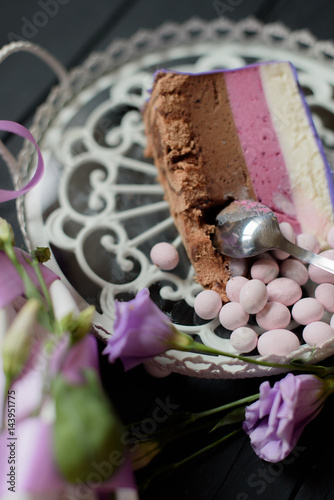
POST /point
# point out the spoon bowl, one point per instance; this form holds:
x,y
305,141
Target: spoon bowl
x,y
248,228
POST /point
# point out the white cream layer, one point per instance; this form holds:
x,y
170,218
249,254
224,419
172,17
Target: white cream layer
x,y
304,162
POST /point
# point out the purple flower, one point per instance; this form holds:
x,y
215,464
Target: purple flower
x,y
276,421
38,472
141,331
11,284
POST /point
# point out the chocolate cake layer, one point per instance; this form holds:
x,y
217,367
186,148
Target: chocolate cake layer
x,y
193,140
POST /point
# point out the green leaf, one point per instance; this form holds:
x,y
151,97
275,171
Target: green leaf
x,y
233,417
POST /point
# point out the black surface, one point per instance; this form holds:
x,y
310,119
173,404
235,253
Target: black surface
x,y
232,472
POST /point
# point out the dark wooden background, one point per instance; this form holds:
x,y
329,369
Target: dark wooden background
x,y
74,28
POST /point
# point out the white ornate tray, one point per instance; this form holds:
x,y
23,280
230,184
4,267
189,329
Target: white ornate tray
x,y
99,206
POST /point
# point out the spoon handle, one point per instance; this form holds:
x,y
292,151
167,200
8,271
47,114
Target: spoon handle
x,y
302,254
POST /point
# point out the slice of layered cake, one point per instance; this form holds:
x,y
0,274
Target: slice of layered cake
x,y
234,135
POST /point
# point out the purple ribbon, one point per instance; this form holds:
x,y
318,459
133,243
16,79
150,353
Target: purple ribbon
x,y
17,129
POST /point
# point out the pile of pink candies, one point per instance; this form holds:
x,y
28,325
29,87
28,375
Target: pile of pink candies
x,y
275,298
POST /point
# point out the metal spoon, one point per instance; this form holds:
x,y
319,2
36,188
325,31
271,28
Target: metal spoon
x,y
248,228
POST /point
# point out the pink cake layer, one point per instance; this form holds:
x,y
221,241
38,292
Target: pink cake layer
x,y
259,142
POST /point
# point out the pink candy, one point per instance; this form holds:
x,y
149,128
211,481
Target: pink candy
x,y
284,290
265,270
253,296
307,310
318,275
280,342
243,339
316,333
308,242
207,304
294,270
233,287
232,316
165,256
274,315
325,294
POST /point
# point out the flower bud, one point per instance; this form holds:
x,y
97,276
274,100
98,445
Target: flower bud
x,y
87,431
42,254
18,339
6,233
78,326
7,315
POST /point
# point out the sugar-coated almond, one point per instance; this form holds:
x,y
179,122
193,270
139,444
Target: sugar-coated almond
x,y
316,333
207,304
307,310
165,256
284,290
280,342
318,275
294,270
308,242
265,270
325,294
233,316
233,287
253,296
244,339
274,315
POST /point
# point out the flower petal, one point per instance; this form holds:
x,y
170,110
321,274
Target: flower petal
x,y
33,450
11,285
141,331
276,421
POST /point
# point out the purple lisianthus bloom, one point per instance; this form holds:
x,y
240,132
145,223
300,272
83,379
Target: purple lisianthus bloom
x,y
277,419
141,331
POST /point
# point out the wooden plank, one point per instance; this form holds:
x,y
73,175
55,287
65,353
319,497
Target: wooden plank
x,y
69,34
147,14
316,16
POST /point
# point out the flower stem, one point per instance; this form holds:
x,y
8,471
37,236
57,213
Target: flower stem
x,y
44,288
228,406
205,449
